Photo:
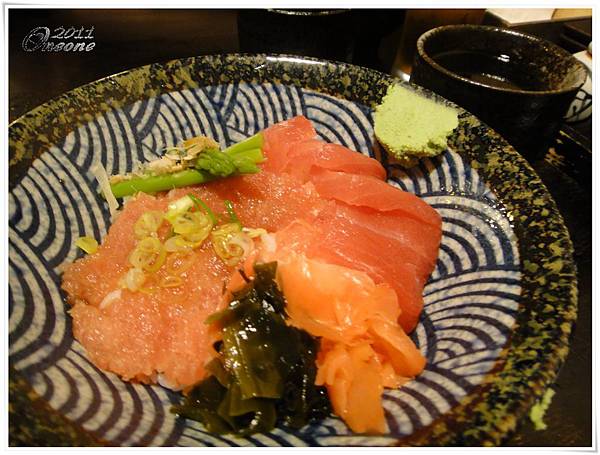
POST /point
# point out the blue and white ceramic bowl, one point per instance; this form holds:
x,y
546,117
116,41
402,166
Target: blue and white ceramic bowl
x,y
485,330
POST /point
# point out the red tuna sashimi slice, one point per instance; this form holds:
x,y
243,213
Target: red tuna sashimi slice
x,y
123,336
260,200
140,334
348,243
365,191
307,157
278,138
361,239
292,147
265,200
414,242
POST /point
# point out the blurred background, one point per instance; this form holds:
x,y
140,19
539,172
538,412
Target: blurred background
x,y
380,39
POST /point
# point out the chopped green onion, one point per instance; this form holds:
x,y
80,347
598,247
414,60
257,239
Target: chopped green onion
x,y
134,279
178,207
229,251
201,205
148,255
232,215
193,227
87,244
253,233
148,224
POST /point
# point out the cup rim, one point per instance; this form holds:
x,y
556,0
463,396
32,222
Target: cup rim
x,y
492,28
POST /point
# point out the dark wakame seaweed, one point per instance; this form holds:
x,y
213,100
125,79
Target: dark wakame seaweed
x,y
265,372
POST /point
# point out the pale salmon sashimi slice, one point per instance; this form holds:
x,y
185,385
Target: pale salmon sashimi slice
x,y
335,302
362,346
354,383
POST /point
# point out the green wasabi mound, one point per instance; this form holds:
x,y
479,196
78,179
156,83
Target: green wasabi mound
x,y
410,126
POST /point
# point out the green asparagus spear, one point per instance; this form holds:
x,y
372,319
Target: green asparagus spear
x,y
253,142
240,158
163,182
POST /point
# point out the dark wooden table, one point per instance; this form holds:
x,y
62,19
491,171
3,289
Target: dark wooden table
x,y
129,38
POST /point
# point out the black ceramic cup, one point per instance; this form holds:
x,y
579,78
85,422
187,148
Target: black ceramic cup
x,y
518,84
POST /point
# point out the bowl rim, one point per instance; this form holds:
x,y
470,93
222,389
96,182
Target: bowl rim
x,y
495,29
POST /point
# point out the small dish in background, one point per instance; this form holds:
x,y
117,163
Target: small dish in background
x,y
581,107
519,84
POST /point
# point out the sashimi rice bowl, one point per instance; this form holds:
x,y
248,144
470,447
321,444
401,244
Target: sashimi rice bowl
x,y
272,250
272,283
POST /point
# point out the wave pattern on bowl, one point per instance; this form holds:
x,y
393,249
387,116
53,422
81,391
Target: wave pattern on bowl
x,y
470,300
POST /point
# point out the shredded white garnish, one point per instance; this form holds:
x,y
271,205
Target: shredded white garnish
x,y
163,165
117,178
104,183
110,298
